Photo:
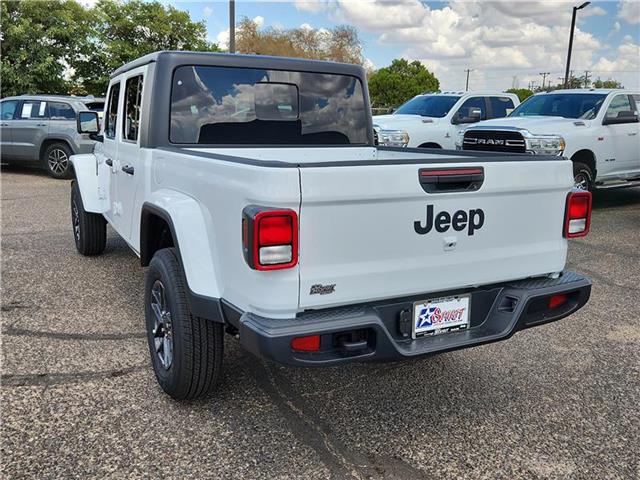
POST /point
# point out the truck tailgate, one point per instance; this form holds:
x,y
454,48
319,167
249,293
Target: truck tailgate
x,y
371,232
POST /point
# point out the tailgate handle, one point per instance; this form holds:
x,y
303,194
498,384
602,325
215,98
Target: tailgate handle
x,y
459,179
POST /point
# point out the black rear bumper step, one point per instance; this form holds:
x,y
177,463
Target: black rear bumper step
x,y
374,331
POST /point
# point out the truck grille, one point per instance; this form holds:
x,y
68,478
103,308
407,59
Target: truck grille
x,y
494,141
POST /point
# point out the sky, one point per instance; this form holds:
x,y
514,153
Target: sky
x,y
506,43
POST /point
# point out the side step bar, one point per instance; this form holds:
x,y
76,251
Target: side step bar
x,y
623,184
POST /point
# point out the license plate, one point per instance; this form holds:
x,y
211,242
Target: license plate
x,y
440,315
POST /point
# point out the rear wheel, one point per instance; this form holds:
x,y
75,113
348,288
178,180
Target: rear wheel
x,y
56,160
582,176
89,229
186,351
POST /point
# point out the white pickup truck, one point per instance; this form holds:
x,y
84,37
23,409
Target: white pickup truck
x,y
433,120
597,129
252,189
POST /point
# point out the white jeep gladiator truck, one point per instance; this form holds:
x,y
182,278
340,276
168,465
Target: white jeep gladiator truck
x,y
251,188
432,120
597,129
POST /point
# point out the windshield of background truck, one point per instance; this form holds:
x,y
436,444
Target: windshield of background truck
x,y
229,105
428,106
568,105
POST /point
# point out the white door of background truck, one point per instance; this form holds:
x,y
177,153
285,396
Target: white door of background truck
x,y
625,135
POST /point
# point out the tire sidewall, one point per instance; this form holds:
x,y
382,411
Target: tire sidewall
x,y
76,200
68,173
581,168
169,379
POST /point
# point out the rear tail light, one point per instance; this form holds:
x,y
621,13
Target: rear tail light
x,y
577,215
269,238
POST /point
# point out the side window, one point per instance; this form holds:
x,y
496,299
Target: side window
x,y
33,109
468,112
132,100
636,98
500,106
8,109
61,111
112,111
619,107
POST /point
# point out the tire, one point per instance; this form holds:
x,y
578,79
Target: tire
x,y
186,351
89,229
582,176
55,159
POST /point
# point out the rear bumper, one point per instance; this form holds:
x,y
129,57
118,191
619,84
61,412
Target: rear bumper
x,y
374,331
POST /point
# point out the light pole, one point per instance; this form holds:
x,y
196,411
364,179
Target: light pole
x,y
468,70
232,26
573,27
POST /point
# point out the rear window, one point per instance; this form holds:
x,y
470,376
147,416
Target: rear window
x,y
94,106
428,106
501,106
227,105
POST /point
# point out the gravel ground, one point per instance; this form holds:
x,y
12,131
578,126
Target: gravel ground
x,y
79,398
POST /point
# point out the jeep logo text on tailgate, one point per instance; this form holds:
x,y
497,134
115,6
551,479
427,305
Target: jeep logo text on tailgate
x,y
472,221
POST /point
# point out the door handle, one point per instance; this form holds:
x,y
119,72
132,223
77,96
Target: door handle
x,y
109,162
4,124
128,169
41,125
631,134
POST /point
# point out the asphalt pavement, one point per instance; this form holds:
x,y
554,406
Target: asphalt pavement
x,y
79,399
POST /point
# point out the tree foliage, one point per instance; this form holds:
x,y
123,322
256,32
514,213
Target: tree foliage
x,y
402,80
40,41
63,47
339,44
522,93
610,83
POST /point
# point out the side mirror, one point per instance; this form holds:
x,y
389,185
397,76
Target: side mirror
x,y
88,122
474,115
623,117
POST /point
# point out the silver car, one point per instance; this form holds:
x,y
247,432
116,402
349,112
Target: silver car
x,y
42,129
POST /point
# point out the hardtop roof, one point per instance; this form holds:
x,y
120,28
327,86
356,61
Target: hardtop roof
x,y
176,58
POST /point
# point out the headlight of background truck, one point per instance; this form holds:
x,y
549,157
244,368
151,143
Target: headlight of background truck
x,y
393,138
545,144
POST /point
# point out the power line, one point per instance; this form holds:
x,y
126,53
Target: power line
x,y
586,78
544,77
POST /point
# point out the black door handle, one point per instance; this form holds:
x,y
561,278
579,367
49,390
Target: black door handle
x,y
109,162
128,169
457,179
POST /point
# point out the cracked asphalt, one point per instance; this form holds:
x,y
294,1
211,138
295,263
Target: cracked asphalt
x,y
79,399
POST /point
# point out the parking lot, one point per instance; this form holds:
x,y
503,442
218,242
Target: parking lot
x,y
79,398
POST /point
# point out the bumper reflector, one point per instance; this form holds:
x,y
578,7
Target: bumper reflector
x,y
306,344
557,300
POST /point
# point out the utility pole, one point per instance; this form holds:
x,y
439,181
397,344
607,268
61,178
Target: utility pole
x,y
573,27
232,26
544,77
468,70
586,78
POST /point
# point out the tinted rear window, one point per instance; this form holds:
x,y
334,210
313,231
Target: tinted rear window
x,y
227,105
94,106
428,106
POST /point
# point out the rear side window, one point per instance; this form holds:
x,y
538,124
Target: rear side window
x,y
112,111
245,106
33,109
132,100
500,106
61,111
8,109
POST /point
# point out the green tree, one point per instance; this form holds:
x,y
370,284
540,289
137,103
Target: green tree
x,y
40,40
522,93
339,44
124,31
610,83
393,85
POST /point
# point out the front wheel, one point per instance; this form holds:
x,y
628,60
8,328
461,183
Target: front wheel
x,y
56,160
89,229
186,351
582,176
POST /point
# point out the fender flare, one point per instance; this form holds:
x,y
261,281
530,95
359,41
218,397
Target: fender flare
x,y
190,236
86,171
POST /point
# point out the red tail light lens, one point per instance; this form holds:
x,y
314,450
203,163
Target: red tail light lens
x,y
577,216
306,344
270,238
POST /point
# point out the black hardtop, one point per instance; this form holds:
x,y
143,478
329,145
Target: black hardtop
x,y
169,60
